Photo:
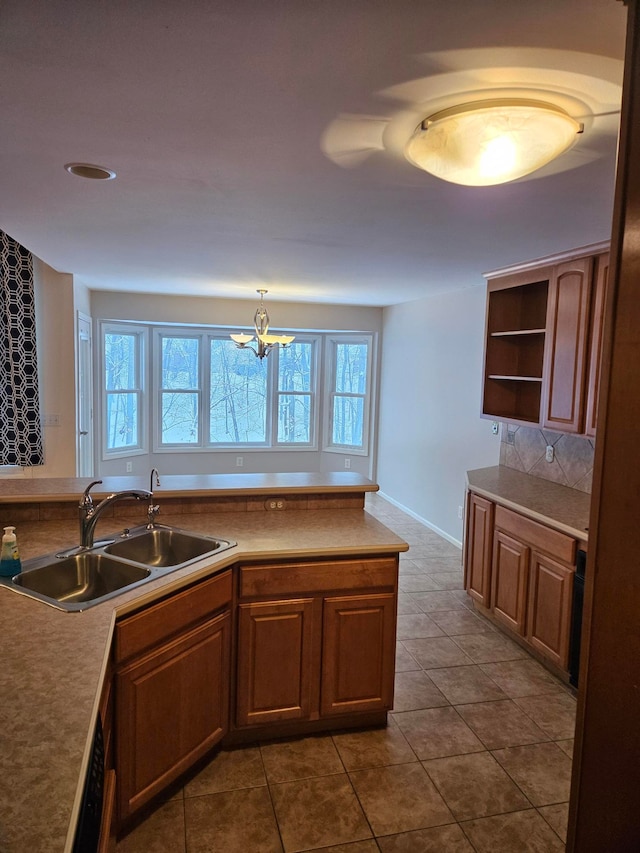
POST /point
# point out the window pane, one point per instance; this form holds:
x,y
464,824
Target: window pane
x,y
351,368
122,421
294,367
180,362
120,361
238,403
348,414
294,418
179,418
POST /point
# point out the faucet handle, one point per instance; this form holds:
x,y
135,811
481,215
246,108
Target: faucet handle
x,y
86,499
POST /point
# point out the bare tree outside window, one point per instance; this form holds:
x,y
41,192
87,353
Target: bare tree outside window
x,y
121,370
350,387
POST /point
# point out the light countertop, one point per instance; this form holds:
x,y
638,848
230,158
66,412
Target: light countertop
x,y
177,485
557,506
54,662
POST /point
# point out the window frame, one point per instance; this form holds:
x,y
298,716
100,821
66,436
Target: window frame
x,y
330,394
141,334
158,389
316,351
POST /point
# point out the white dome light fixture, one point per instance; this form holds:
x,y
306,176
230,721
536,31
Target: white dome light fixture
x,y
491,142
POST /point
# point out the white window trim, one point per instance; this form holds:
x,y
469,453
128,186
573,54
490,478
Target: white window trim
x,y
142,332
314,393
330,394
157,390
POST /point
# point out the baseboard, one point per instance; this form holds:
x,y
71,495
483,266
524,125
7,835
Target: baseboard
x,y
422,520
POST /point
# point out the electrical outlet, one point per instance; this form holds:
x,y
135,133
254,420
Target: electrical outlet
x,y
239,461
549,453
511,436
459,512
274,503
129,467
347,463
494,427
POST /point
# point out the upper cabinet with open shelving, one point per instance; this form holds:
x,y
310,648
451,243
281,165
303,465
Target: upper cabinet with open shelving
x,y
543,341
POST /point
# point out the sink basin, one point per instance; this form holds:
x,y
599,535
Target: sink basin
x,y
165,546
78,579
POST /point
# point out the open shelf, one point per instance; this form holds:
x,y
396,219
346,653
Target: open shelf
x,y
514,350
517,332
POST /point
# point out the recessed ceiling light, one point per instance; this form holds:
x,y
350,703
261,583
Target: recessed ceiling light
x,y
93,173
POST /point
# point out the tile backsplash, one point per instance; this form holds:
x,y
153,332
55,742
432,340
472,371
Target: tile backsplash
x,y
524,449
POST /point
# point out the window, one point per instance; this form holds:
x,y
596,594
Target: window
x,y
188,388
296,379
122,389
179,390
350,372
237,395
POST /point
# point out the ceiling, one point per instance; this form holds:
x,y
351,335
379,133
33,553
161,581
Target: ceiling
x,y
259,144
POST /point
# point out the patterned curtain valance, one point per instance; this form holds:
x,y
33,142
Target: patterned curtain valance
x,y
20,425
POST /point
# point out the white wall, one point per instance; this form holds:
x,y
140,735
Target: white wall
x,y
55,331
236,313
430,431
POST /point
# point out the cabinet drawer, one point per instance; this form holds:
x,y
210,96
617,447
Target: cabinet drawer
x,y
317,576
559,545
158,622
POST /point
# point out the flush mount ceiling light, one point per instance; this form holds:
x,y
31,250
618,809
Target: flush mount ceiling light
x,y
93,173
492,141
265,341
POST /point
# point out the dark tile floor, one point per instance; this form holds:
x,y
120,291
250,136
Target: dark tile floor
x,y
476,756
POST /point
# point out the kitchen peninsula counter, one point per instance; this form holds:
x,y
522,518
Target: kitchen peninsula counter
x,y
54,662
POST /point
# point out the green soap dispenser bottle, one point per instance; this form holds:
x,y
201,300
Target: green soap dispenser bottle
x,y
9,557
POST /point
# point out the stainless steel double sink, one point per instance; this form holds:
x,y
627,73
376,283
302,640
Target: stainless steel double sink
x,y
82,578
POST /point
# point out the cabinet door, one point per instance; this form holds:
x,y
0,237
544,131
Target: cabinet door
x,y
478,548
172,706
566,345
358,653
595,354
549,613
276,669
509,581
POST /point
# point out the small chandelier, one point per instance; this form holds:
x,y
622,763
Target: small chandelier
x,y
491,142
265,341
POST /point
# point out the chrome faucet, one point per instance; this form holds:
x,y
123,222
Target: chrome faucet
x,y
89,514
153,509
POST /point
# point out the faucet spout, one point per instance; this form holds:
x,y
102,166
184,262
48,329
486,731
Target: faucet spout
x,y
90,514
153,509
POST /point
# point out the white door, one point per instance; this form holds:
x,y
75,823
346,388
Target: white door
x,y
84,441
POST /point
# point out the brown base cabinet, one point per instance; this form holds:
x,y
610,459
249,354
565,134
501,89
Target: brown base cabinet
x,y
314,643
510,574
550,598
275,661
358,654
479,546
320,655
172,691
530,576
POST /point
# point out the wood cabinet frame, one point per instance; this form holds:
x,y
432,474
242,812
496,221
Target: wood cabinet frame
x,y
545,372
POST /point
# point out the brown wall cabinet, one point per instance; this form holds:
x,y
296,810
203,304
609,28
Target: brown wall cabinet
x,y
543,344
530,575
172,690
320,655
